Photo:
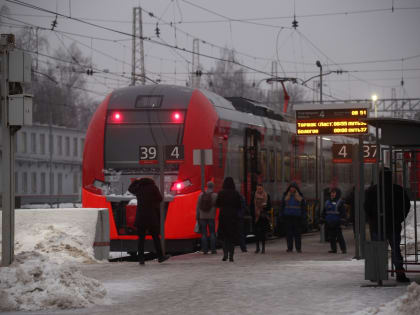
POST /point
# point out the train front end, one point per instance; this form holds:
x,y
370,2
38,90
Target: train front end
x,y
124,141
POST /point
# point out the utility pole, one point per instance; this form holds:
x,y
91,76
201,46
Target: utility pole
x,y
16,111
137,48
196,74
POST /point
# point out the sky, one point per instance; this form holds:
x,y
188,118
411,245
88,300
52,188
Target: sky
x,y
376,43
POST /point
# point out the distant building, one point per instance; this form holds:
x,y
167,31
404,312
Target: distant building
x,y
48,164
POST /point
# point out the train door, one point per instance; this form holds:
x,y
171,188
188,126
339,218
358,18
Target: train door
x,y
251,166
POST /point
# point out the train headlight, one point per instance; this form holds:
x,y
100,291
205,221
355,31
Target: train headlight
x,y
178,186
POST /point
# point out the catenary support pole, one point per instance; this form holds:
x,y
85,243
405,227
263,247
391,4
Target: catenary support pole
x,y
8,202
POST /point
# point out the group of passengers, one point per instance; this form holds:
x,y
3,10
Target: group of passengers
x,y
233,210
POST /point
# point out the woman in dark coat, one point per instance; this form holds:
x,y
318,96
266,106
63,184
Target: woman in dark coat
x,y
147,215
229,202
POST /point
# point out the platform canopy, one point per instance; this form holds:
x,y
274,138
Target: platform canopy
x,y
397,131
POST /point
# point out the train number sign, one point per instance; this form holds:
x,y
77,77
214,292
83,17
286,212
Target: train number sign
x,y
148,154
174,153
342,153
369,153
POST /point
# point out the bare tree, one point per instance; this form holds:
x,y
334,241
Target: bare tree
x,y
60,97
229,79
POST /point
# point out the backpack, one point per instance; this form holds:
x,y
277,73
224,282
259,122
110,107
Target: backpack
x,y
206,202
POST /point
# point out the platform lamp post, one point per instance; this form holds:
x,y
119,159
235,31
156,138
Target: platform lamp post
x,y
319,179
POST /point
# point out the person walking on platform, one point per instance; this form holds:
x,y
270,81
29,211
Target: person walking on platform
x,y
395,214
206,212
334,215
147,215
293,212
229,202
261,205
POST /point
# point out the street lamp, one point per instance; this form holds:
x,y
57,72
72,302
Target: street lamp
x,y
318,64
374,99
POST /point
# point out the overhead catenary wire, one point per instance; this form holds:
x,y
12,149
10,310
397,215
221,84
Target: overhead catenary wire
x,y
144,38
249,19
186,50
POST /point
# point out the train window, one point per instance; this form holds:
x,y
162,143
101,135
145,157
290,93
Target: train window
x,y
278,166
271,169
263,164
287,167
148,101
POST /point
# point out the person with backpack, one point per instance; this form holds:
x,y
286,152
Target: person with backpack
x,y
205,213
334,216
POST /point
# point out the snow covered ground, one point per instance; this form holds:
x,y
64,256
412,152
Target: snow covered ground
x,y
313,282
55,273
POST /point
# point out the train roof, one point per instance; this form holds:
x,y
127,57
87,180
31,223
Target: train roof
x,y
176,97
250,106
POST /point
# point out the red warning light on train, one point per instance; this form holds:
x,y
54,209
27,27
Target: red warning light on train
x,y
117,117
176,117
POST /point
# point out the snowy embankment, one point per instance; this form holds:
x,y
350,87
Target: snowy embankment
x,y
44,274
407,304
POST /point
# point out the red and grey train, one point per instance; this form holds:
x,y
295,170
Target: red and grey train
x,y
249,143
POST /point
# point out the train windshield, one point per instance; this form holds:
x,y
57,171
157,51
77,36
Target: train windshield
x,y
127,131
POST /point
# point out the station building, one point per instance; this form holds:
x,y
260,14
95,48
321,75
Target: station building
x,y
48,164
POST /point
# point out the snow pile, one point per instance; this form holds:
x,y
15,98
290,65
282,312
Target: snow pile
x,y
62,242
34,282
407,304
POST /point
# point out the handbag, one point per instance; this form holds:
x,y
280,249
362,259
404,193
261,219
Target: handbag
x,y
197,227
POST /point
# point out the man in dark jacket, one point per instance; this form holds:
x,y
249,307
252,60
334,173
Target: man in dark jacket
x,y
293,212
394,216
147,215
334,215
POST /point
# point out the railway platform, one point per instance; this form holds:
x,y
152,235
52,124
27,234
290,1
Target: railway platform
x,y
277,282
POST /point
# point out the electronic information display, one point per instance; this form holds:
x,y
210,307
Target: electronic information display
x,y
342,121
